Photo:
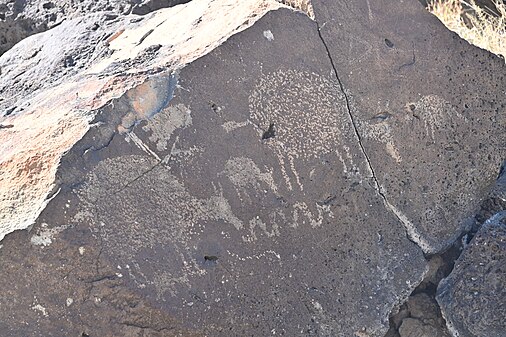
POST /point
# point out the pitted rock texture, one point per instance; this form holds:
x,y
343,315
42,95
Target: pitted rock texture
x,y
472,298
390,77
107,59
494,203
219,179
212,222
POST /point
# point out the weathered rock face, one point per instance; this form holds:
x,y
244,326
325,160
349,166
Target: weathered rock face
x,y
106,62
428,110
22,18
221,179
472,297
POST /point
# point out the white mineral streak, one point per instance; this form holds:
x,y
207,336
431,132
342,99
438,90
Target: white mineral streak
x,y
56,118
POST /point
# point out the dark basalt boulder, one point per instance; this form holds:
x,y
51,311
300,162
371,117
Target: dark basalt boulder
x,y
257,173
428,108
472,298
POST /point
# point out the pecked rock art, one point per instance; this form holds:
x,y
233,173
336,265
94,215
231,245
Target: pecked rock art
x,y
99,57
436,115
143,222
434,138
177,117
302,116
229,178
440,132
244,174
186,204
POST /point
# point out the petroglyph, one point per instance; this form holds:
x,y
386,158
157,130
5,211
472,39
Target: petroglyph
x,y
382,132
303,215
268,35
435,113
245,174
258,223
166,122
308,115
40,309
181,212
169,217
180,154
45,235
131,136
232,125
168,281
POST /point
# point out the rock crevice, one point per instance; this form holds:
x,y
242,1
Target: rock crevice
x,y
436,291
411,230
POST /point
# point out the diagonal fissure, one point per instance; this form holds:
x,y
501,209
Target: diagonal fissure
x,y
411,231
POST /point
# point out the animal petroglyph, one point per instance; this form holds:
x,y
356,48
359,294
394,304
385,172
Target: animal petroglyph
x,y
166,122
435,114
45,235
263,227
307,115
245,174
302,214
382,132
168,218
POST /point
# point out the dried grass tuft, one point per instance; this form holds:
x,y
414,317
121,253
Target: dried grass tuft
x,y
302,5
483,27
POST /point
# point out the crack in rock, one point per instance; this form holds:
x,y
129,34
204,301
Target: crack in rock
x,y
421,314
412,232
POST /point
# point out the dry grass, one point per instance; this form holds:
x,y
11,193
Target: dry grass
x,y
483,27
303,5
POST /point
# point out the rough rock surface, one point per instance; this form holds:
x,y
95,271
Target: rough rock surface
x,y
81,65
473,298
428,110
22,18
253,172
424,318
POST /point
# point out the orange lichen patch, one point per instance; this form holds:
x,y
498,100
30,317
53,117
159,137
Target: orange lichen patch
x,y
144,99
147,99
115,35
